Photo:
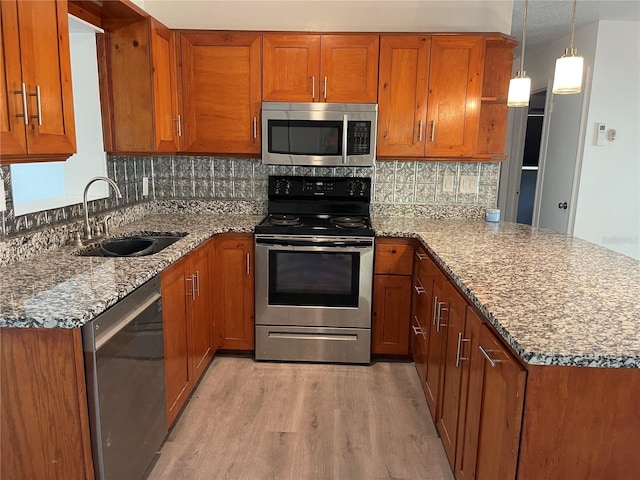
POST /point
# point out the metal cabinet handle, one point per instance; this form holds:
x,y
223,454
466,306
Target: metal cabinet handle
x,y
419,288
179,124
313,88
196,283
325,88
25,111
435,309
416,330
255,127
420,130
345,130
421,256
38,104
459,352
248,263
486,355
433,130
191,293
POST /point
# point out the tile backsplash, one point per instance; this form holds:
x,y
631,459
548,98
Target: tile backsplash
x,y
407,185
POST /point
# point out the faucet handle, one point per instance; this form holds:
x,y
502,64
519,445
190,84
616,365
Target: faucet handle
x,y
105,225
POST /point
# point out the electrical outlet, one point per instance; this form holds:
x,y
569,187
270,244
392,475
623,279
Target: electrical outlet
x,y
468,184
145,186
448,183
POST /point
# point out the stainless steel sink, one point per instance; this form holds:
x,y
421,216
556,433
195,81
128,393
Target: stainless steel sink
x,y
138,245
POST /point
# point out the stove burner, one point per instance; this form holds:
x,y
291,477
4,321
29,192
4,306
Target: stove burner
x,y
284,220
349,222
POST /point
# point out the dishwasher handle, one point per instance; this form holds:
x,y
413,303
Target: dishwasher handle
x,y
100,338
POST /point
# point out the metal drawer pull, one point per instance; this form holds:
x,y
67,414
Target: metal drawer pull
x,y
313,88
486,355
420,130
458,357
417,330
325,88
440,309
25,112
248,263
179,124
419,288
421,256
39,105
196,283
421,330
435,309
433,130
255,127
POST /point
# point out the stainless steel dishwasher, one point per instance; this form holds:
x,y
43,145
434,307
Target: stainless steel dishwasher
x,y
124,361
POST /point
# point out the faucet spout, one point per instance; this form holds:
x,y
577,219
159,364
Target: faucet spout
x,y
87,227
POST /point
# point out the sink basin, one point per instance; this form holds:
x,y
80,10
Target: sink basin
x,y
132,245
127,247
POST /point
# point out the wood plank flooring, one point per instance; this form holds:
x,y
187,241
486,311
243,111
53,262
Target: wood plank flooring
x,y
258,421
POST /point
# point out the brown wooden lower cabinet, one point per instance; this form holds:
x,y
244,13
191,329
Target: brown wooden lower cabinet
x,y
234,289
44,424
188,325
391,314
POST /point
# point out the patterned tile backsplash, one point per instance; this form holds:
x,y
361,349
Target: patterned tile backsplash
x,y
408,185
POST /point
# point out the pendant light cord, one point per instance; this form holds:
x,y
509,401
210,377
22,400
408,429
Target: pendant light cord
x,y
524,36
573,24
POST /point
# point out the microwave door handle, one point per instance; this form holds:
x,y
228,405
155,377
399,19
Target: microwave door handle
x,y
345,127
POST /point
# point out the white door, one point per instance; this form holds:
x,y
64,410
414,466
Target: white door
x,y
561,147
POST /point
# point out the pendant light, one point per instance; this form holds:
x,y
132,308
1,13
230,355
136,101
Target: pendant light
x,y
568,76
520,85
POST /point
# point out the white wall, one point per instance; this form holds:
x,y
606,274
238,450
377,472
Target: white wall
x,y
334,15
608,210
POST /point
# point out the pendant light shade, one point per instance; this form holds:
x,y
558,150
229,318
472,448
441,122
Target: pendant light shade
x,y
520,85
519,91
568,75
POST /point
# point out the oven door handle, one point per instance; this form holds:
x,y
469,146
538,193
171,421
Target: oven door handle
x,y
307,243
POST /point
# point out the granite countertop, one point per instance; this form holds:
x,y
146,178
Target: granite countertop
x,y
557,300
58,289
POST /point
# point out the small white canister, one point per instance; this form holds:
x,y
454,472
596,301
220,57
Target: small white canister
x,y
492,215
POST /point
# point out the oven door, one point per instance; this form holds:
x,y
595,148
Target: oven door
x,y
314,281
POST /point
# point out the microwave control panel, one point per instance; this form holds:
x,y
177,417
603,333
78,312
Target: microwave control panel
x,y
359,138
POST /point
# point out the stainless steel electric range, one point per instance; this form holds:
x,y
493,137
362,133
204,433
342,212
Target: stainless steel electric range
x,y
314,271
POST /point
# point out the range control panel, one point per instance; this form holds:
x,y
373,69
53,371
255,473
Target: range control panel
x,y
308,187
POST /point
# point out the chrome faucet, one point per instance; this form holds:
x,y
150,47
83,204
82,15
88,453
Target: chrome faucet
x,y
84,202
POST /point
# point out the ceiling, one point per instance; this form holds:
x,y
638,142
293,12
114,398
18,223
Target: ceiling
x,y
549,20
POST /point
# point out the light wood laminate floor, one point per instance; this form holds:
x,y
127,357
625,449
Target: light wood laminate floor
x,y
256,420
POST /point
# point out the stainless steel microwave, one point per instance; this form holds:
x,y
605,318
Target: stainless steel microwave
x,y
327,134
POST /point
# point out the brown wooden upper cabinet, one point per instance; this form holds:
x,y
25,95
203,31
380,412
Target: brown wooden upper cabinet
x,y
140,98
320,68
220,92
36,97
433,102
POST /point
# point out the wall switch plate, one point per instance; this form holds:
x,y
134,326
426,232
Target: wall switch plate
x,y
468,184
145,186
448,183
3,203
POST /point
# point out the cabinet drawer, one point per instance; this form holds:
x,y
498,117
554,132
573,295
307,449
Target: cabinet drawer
x,y
394,259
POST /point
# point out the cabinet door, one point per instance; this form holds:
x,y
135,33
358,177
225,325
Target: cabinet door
x,y
419,337
402,93
13,139
501,418
46,71
455,85
220,92
391,314
234,291
452,372
200,311
165,89
435,350
470,399
176,346
349,68
291,65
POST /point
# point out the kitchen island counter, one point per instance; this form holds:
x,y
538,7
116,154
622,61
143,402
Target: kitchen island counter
x,y
555,299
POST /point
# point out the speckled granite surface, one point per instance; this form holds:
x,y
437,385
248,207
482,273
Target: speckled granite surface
x,y
58,289
555,299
